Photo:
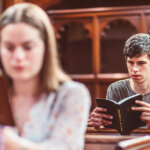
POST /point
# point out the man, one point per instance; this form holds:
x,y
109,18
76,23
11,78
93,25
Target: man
x,y
137,55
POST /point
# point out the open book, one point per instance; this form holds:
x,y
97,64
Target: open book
x,y
124,118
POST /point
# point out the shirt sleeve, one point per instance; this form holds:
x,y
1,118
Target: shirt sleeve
x,y
113,93
71,120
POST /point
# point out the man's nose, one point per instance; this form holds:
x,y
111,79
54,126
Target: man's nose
x,y
135,67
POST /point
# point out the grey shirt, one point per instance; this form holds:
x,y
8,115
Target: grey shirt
x,y
122,89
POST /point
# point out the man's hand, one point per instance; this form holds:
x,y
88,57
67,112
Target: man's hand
x,y
98,117
145,108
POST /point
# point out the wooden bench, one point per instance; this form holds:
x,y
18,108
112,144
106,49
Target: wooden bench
x,y
110,139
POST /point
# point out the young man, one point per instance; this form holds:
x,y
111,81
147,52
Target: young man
x,y
137,55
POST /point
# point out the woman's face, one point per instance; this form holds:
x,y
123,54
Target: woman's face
x,y
22,51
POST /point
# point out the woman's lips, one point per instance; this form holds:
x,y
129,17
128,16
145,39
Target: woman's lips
x,y
19,68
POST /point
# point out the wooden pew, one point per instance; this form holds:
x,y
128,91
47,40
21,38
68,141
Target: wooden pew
x,y
103,142
138,143
93,131
98,130
117,142
109,139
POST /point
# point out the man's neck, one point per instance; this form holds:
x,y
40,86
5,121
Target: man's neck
x,y
140,88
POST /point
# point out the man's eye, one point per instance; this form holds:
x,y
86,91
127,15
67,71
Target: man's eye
x,y
141,63
130,62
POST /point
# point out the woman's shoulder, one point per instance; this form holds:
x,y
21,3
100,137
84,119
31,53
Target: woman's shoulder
x,y
74,88
73,85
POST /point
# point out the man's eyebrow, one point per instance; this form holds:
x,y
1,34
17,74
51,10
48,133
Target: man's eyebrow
x,y
142,61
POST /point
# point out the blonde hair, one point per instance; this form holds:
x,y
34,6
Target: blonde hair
x,y
51,75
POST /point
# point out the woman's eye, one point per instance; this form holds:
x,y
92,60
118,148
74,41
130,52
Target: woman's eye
x,y
28,47
10,48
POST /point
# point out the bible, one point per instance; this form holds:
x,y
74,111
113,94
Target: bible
x,y
124,119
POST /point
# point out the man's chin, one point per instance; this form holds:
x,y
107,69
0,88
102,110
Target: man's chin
x,y
137,80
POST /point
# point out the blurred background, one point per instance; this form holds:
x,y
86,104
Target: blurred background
x,y
91,35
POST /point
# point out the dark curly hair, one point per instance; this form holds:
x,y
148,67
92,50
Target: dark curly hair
x,y
137,45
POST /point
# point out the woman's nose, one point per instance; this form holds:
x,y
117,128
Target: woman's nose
x,y
19,53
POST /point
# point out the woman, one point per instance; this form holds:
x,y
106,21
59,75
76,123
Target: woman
x,y
50,110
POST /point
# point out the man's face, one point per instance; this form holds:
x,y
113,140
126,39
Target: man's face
x,y
139,68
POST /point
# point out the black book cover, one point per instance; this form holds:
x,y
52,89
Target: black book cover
x,y
124,119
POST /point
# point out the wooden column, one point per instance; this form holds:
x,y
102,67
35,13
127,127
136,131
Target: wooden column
x,y
96,46
96,56
143,24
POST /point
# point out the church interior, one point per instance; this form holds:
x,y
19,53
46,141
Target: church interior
x,y
90,38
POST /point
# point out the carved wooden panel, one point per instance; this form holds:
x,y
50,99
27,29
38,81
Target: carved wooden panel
x,y
75,44
101,58
112,40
